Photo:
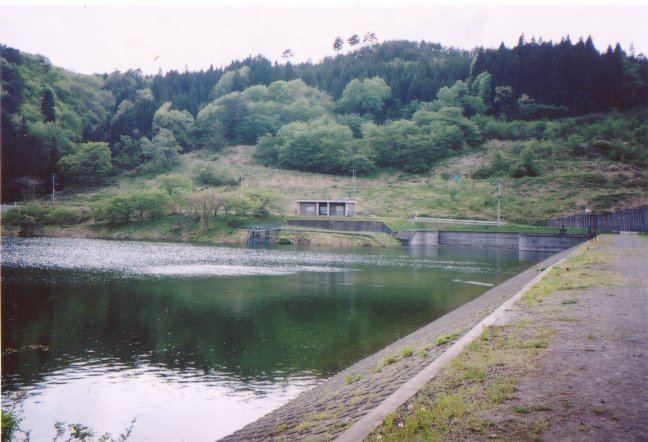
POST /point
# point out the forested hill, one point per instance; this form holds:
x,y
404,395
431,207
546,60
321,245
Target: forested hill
x,y
573,76
399,104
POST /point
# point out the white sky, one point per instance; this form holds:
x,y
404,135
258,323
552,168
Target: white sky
x,y
97,36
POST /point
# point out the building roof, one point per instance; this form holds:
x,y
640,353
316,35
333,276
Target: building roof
x,y
326,201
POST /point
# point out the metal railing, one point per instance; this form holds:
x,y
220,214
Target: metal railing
x,y
630,220
458,221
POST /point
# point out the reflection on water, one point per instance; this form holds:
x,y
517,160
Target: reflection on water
x,y
198,341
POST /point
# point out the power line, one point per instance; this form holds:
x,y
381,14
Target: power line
x,y
499,199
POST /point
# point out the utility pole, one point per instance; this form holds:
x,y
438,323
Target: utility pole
x,y
499,199
353,172
53,184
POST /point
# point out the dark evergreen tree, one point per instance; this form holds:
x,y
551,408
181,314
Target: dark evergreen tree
x,y
575,76
353,40
338,44
47,106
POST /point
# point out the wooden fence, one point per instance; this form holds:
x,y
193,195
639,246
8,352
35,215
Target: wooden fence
x,y
628,220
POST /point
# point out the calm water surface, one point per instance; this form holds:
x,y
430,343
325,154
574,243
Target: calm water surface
x,y
196,341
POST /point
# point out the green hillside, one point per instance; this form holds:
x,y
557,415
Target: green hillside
x,y
428,130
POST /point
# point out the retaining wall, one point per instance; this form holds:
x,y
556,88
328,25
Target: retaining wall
x,y
480,239
344,226
549,243
419,238
524,242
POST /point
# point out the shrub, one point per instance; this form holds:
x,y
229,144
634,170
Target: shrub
x,y
498,167
527,165
63,215
29,218
211,176
576,145
10,423
120,208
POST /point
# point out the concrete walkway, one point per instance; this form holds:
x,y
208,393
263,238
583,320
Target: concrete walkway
x,y
328,410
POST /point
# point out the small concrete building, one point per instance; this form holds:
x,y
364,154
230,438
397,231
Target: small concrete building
x,y
326,207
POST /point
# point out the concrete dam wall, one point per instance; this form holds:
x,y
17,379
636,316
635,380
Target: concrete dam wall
x,y
525,242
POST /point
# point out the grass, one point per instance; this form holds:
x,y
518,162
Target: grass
x,y
352,378
168,228
304,427
472,383
407,352
390,360
578,273
444,339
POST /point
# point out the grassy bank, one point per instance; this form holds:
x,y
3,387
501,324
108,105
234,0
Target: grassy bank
x,y
185,228
449,190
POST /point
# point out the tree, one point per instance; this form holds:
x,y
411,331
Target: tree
x,y
161,152
152,202
404,145
232,81
90,164
338,44
459,95
262,201
180,123
133,118
318,146
127,152
369,39
505,102
116,209
205,202
208,131
47,106
482,87
174,184
450,116
364,96
267,151
353,40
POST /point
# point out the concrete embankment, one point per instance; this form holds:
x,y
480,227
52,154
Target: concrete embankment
x,y
524,242
342,225
331,408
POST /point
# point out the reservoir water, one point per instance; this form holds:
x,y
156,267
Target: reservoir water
x,y
197,341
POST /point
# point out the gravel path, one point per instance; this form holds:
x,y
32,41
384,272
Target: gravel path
x,y
326,411
593,379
